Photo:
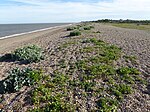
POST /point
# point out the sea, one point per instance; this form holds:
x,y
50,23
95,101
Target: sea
x,y
10,30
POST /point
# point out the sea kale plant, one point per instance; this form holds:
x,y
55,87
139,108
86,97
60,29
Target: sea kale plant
x,y
31,53
17,78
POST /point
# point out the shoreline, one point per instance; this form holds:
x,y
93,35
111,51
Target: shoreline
x,y
34,31
8,44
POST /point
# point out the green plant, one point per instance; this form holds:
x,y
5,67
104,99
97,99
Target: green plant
x,y
131,58
17,78
29,54
106,104
81,65
51,92
62,63
55,105
138,78
71,28
127,70
101,70
92,76
119,90
123,88
60,79
128,74
75,33
88,27
118,94
87,86
87,49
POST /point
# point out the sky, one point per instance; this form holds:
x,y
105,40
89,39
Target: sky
x,y
58,11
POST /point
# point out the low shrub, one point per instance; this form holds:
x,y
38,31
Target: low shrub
x,y
75,33
29,54
91,26
71,28
17,78
88,27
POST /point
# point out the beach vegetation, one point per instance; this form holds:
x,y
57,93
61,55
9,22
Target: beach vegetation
x,y
51,91
75,33
96,76
130,58
29,54
71,28
128,71
91,72
88,27
17,78
106,104
132,26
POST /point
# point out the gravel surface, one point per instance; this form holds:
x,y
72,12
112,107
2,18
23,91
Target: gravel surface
x,y
133,42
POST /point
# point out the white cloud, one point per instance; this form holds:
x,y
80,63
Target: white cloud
x,y
52,11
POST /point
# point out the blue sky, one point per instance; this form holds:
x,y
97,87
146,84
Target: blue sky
x,y
51,11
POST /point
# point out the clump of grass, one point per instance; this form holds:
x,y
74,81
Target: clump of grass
x,y
75,33
17,78
29,54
